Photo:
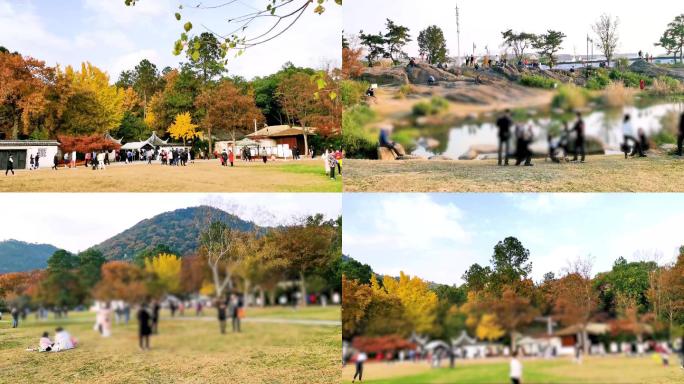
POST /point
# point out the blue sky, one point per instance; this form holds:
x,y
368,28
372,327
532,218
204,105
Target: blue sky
x,y
438,236
641,24
115,37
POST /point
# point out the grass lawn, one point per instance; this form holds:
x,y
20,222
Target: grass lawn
x,y
202,176
598,174
185,351
593,370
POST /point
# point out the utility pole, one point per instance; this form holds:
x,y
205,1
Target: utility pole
x,y
458,35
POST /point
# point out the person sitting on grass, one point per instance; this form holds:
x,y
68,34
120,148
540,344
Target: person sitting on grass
x,y
63,340
516,369
45,344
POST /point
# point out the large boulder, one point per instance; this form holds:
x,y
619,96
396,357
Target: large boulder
x,y
385,76
386,154
420,73
652,70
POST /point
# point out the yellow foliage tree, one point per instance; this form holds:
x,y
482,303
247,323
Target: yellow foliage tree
x,y
183,128
167,269
95,106
419,302
488,329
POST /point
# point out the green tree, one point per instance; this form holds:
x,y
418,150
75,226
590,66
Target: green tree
x,y
548,44
355,270
132,128
396,38
62,286
205,54
375,46
89,267
519,42
672,39
477,277
432,43
510,262
146,81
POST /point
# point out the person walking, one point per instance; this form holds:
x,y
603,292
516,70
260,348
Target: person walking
x,y
10,165
14,312
338,156
221,311
235,311
361,358
628,135
144,328
32,163
680,137
516,369
579,129
55,162
504,123
155,317
332,163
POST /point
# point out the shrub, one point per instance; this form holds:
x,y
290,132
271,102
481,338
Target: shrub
x,y
665,85
439,104
616,95
629,78
357,140
570,97
406,137
537,81
405,90
422,109
598,80
352,92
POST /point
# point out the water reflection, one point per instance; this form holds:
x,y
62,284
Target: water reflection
x,y
604,125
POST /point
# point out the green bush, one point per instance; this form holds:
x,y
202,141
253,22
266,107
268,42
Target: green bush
x,y
407,138
598,80
405,90
537,81
570,97
664,137
629,78
357,140
422,109
352,92
436,106
439,104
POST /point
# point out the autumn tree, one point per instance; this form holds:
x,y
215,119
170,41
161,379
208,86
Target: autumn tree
x,y
95,106
146,81
576,299
62,286
228,110
193,274
307,246
183,128
166,271
418,301
432,44
606,30
23,83
351,63
299,97
181,89
385,314
356,297
121,281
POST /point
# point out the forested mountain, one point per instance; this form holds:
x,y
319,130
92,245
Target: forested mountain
x,y
178,230
19,256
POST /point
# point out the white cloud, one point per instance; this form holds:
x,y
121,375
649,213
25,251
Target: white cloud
x,y
21,27
130,60
545,203
108,12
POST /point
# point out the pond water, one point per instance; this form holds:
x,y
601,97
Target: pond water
x,y
604,125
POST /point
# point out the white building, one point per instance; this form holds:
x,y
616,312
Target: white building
x,y
22,150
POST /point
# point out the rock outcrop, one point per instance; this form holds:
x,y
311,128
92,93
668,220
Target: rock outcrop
x,y
385,76
648,69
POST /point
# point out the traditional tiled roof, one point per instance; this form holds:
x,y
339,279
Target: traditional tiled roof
x,y
28,143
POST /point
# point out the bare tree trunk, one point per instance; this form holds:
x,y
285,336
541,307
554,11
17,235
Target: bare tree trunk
x,y
248,294
210,150
271,297
303,287
306,143
15,128
585,341
262,298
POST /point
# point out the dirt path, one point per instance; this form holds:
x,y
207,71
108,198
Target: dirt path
x,y
598,174
202,176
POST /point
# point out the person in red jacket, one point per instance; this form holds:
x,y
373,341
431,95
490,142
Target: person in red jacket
x,y
231,157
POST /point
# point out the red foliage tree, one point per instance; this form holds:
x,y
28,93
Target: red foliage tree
x,y
85,144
